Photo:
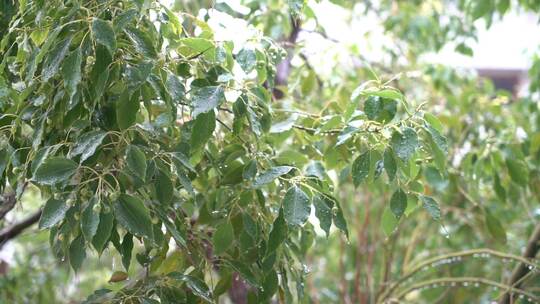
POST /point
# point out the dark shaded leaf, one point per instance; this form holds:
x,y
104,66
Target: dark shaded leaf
x,y
54,170
398,203
106,221
90,219
77,253
136,161
133,215
87,144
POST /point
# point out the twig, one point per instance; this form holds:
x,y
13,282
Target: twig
x,y
465,280
521,270
13,231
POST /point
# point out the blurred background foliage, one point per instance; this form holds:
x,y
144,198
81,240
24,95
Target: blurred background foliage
x,y
489,189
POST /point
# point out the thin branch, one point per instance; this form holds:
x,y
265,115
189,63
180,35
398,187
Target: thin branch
x,y
447,257
11,232
522,269
465,280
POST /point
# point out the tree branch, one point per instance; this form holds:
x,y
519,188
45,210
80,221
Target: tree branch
x,y
7,202
522,269
11,232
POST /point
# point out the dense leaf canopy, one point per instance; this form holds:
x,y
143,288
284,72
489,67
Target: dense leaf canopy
x,y
219,167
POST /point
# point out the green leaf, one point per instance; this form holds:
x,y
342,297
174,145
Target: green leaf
x,y
323,211
271,174
398,203
100,71
54,170
164,188
405,144
495,227
270,285
438,139
142,42
52,63
245,272
133,215
104,34
126,249
90,219
296,206
360,168
175,87
106,221
223,238
87,144
432,207
206,99
386,92
77,253
518,171
136,161
71,71
389,164
247,59
250,170
203,129
498,187
388,222
196,285
127,108
433,121
278,234
380,109
53,212
339,219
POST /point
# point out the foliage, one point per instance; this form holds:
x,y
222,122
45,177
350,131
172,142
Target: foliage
x,y
152,138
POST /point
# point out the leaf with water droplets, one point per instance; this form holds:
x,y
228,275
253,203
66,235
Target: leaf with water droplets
x,y
405,144
296,206
360,168
271,174
87,144
53,212
90,219
431,206
398,202
323,211
133,215
103,34
206,99
55,170
196,285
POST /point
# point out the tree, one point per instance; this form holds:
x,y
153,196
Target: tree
x,y
202,155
